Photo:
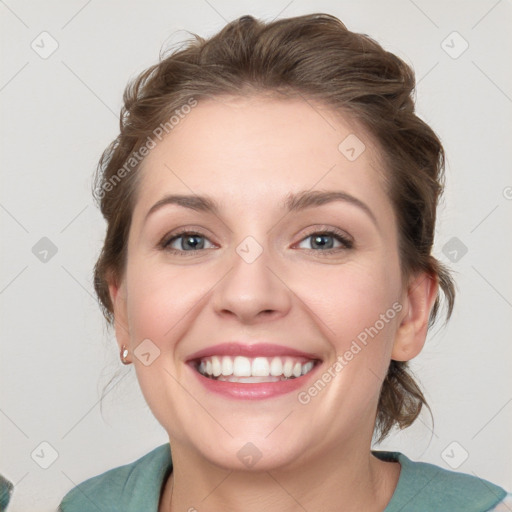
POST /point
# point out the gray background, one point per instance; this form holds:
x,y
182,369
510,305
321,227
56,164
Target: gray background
x,y
60,112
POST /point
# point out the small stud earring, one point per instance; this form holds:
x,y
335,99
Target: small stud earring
x,y
124,354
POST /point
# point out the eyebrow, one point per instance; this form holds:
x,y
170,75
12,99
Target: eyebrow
x,y
294,202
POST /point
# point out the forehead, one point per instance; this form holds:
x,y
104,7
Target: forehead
x,y
253,151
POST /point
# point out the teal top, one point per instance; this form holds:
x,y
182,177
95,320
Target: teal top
x,y
421,487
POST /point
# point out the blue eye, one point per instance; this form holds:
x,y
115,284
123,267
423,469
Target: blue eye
x,y
188,239
193,242
320,239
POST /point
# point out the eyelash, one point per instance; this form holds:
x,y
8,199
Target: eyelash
x,y
339,235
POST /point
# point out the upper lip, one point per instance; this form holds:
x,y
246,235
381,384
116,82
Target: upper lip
x,y
234,348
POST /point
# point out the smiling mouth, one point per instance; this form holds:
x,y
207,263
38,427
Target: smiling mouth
x,y
254,369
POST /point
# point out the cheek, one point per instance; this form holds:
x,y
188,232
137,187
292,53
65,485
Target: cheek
x,y
347,300
159,300
361,308
354,298
160,307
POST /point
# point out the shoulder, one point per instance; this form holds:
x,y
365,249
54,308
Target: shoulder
x,y
123,488
503,506
426,487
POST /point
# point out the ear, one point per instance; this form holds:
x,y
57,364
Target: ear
x,y
118,297
412,331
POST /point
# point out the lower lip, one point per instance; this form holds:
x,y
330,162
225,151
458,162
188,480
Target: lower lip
x,y
254,391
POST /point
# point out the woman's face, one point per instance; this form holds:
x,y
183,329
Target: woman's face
x,y
255,272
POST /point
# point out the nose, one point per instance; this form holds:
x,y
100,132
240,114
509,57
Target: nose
x,y
253,290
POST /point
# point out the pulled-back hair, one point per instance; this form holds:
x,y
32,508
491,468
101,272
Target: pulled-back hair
x,y
314,57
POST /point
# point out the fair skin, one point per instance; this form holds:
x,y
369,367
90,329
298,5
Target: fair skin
x,y
248,154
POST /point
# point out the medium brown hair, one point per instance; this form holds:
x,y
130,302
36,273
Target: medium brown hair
x,y
314,57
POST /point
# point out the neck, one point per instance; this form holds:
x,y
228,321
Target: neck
x,y
338,479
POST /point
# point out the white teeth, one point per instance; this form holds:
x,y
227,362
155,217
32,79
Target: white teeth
x,y
307,367
216,366
276,367
288,368
258,369
241,367
251,380
227,366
